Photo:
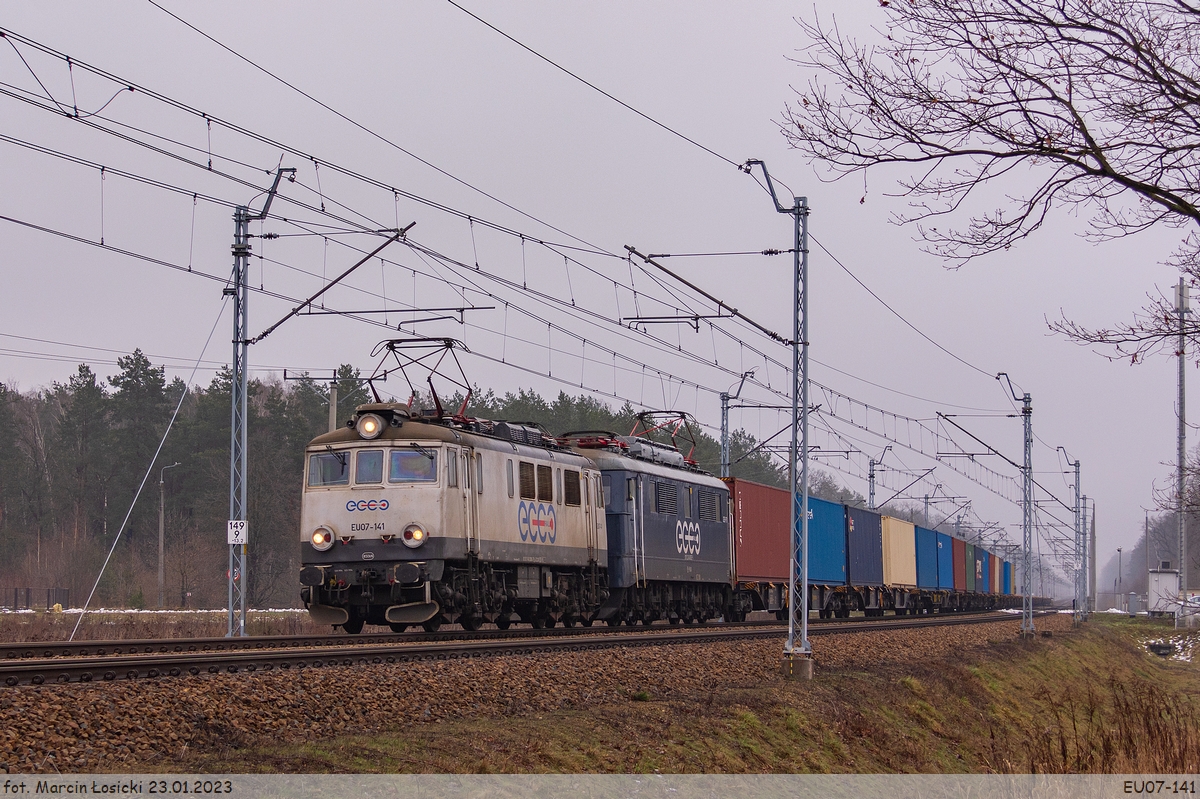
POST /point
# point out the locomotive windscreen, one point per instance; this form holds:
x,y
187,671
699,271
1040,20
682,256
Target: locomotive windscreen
x,y
412,467
329,469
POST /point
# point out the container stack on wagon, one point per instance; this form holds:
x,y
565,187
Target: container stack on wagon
x,y
858,560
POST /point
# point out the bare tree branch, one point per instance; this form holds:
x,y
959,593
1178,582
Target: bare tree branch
x,y
1086,106
1097,100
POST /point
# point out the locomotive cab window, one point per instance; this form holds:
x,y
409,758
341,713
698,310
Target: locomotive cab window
x,y
329,469
571,493
410,466
368,467
528,486
452,468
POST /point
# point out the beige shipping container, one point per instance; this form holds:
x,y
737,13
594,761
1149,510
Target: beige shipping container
x,y
899,553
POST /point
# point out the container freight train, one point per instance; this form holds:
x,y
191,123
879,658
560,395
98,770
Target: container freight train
x,y
858,560
409,518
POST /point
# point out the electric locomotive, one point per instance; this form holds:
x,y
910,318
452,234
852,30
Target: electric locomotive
x,y
669,554
412,517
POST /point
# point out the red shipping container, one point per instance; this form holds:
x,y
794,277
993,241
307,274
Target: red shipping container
x,y
960,565
761,519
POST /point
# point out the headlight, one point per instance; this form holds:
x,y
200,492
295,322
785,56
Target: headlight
x,y
369,426
322,538
414,536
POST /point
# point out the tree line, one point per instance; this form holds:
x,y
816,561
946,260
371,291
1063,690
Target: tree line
x,y
74,455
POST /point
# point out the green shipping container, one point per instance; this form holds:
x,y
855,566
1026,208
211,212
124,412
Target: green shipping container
x,y
970,564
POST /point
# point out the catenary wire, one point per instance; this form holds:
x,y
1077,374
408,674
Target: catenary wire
x,y
593,86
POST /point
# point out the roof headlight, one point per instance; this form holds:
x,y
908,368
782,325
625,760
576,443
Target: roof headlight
x,y
414,536
322,538
369,426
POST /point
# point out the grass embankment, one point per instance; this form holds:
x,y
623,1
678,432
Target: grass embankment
x,y
1087,700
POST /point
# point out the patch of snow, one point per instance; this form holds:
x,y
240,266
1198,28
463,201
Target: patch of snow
x,y
1185,646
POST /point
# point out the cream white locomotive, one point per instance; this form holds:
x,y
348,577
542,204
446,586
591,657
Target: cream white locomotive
x,y
410,519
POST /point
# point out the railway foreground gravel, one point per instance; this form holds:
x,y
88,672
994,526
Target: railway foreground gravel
x,y
149,725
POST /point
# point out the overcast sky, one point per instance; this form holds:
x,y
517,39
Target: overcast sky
x,y
565,165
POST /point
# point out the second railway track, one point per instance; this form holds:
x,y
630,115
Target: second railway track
x,y
133,660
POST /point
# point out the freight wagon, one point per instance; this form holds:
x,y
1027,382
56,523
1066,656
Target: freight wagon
x,y
858,560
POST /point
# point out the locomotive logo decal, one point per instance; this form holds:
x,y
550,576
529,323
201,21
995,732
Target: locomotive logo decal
x,y
536,523
367,504
687,537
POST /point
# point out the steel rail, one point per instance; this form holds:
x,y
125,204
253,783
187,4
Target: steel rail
x,y
24,650
234,660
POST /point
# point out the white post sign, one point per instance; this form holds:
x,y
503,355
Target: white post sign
x,y
236,532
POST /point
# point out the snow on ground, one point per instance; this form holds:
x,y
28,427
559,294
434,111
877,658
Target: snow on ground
x,y
1180,648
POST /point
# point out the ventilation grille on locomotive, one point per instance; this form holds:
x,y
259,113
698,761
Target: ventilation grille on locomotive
x,y
666,498
571,492
545,484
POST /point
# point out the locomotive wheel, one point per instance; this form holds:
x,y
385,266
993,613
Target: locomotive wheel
x,y
539,622
353,626
568,621
398,628
503,621
432,625
549,622
615,621
470,623
585,621
673,620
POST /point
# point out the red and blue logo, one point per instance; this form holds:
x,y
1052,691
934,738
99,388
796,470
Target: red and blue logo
x,y
536,523
367,504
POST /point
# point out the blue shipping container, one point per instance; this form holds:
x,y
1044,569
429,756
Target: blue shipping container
x,y
927,558
985,585
1007,577
864,547
945,562
826,542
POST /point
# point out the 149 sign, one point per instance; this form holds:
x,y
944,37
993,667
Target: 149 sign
x,y
236,533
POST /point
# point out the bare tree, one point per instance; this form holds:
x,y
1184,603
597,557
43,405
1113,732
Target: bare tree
x,y
1005,110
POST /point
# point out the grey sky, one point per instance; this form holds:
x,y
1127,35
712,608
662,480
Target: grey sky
x,y
441,85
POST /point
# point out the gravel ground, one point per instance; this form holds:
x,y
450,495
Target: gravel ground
x,y
150,723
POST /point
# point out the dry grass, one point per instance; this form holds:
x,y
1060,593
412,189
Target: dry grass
x,y
1122,728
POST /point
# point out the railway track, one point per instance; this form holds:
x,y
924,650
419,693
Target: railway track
x,y
25,650
102,662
